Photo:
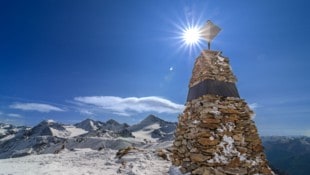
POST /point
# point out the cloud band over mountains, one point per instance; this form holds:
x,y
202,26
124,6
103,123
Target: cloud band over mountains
x,y
39,107
125,106
95,105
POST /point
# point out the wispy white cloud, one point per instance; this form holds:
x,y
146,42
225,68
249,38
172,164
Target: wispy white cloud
x,y
253,106
39,107
127,106
14,115
86,112
126,114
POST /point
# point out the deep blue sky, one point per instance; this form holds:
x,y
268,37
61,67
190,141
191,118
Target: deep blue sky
x,y
69,55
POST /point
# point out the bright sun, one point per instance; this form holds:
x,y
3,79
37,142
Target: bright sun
x,y
191,36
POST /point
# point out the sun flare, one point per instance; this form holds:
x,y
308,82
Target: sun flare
x,y
191,36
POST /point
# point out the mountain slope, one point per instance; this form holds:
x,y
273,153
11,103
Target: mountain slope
x,y
46,137
113,125
89,125
52,137
49,128
154,129
7,129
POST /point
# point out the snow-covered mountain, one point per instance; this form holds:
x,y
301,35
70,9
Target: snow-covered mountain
x,y
153,129
49,128
113,125
53,137
92,125
98,128
89,125
7,129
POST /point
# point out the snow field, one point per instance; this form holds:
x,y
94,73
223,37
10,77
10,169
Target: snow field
x,y
87,162
145,133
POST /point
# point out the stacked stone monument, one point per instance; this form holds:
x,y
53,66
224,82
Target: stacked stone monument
x,y
216,134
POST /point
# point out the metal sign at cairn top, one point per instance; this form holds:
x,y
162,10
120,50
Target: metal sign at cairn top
x,y
209,32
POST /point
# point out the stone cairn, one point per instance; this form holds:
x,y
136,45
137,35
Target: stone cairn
x,y
216,134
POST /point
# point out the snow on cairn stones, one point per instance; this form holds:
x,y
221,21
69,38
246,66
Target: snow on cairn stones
x,y
215,133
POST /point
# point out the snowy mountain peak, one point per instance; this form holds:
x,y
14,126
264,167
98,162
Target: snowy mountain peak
x,y
148,121
50,121
88,120
152,119
47,128
112,122
89,125
153,128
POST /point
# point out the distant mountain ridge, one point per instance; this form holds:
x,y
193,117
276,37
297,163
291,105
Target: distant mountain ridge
x,y
51,137
96,128
288,155
92,125
291,155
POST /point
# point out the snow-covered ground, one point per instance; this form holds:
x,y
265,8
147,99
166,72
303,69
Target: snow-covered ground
x,y
87,161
